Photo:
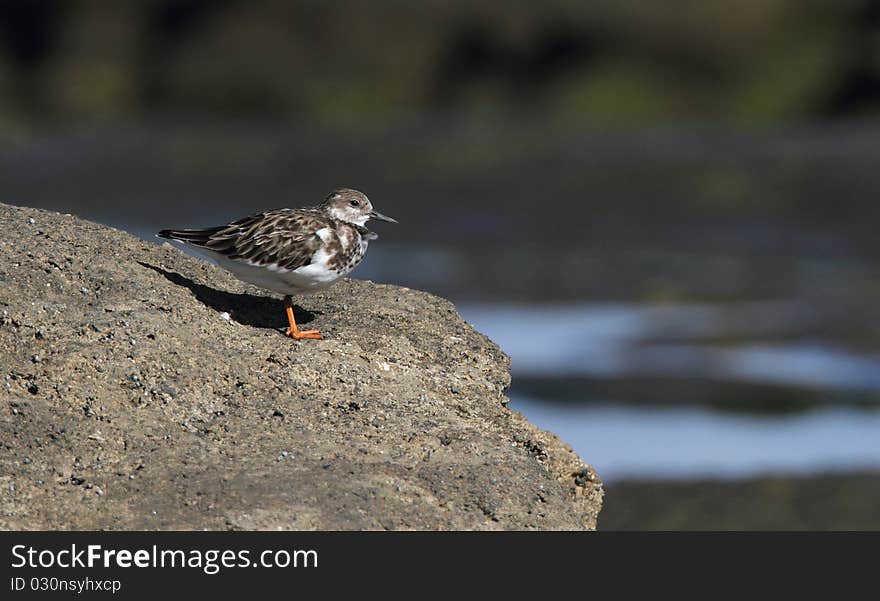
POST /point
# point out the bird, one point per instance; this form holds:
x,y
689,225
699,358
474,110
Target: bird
x,y
291,251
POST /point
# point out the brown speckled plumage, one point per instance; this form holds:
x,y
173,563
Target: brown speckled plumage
x,y
291,251
284,237
290,238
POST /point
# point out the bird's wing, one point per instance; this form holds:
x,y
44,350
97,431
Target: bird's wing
x,y
284,237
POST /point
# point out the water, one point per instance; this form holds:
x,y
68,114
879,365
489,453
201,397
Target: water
x,y
630,340
626,442
618,342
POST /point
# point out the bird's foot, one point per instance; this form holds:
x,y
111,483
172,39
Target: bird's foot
x,y
300,334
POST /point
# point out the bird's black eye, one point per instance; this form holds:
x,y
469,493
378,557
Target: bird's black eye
x,y
354,203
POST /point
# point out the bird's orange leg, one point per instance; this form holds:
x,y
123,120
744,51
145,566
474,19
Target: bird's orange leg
x,y
293,331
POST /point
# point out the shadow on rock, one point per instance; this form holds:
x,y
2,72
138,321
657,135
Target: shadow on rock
x,y
246,309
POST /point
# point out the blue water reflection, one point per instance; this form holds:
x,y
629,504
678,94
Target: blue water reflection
x,y
677,342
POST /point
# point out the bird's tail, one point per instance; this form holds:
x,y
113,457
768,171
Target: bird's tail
x,y
196,237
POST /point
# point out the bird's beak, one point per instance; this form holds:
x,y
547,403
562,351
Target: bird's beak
x,y
381,217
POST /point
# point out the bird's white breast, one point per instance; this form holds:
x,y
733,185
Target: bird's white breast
x,y
306,279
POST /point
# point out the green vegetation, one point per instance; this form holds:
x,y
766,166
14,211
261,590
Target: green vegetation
x,y
606,63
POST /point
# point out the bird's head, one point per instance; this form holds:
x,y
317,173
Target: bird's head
x,y
351,206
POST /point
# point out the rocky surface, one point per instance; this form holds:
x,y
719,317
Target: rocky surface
x,y
145,389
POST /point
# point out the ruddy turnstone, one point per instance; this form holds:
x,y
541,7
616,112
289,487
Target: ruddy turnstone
x,y
291,251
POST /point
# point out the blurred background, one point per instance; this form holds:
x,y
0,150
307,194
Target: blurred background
x,y
666,213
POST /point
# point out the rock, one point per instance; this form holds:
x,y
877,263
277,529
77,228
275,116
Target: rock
x,y
397,419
